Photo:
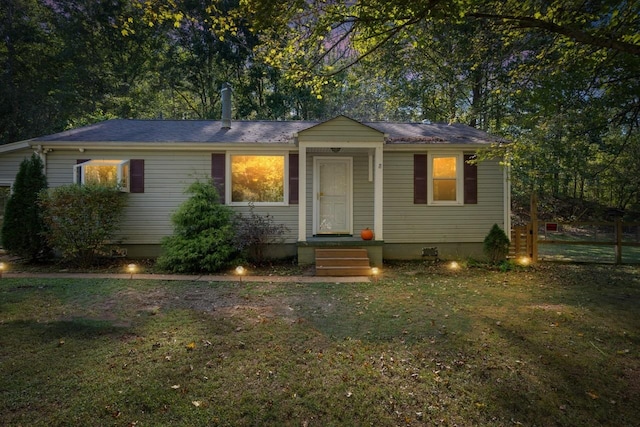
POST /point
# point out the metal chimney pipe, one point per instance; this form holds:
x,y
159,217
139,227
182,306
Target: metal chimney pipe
x,y
226,106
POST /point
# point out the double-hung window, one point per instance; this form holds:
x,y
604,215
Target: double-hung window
x,y
258,179
445,179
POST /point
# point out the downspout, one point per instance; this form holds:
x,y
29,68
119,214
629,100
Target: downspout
x,y
378,197
302,189
42,153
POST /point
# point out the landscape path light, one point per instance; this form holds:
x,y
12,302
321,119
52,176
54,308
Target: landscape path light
x,y
3,267
240,271
375,272
524,261
131,268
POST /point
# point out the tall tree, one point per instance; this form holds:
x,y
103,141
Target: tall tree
x,y
573,110
212,43
105,73
442,73
65,63
28,46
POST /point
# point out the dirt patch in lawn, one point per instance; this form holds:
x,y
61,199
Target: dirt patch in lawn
x,y
549,307
124,306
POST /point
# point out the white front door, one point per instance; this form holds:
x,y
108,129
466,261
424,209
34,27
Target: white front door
x,y
332,201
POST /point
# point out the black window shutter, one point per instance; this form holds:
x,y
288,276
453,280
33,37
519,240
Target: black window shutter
x,y
78,161
294,179
136,176
470,180
420,179
218,174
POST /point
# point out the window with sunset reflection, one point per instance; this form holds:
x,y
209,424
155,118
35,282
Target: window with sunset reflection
x,y
257,179
113,173
444,179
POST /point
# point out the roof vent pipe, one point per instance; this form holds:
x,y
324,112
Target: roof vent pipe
x,y
226,106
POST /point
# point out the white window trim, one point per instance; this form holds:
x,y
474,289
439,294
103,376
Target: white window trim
x,y
459,179
104,162
229,178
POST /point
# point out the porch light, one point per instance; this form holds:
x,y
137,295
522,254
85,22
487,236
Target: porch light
x,y
240,271
336,149
3,267
131,269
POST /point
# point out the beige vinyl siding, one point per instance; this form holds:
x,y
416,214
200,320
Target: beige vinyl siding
x,y
310,195
342,130
362,193
10,164
405,222
167,176
286,215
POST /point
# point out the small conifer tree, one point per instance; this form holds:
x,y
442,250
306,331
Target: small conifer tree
x,y
203,234
23,227
496,245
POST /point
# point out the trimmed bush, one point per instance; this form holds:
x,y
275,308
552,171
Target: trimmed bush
x,y
254,232
203,239
496,245
82,220
23,226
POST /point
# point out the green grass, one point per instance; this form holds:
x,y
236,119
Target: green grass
x,y
587,253
550,345
563,250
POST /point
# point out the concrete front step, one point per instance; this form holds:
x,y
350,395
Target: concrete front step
x,y
342,262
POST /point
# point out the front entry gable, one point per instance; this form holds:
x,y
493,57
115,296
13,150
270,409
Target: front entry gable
x,y
347,139
341,132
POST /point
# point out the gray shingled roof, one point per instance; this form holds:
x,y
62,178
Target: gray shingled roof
x,y
210,131
433,133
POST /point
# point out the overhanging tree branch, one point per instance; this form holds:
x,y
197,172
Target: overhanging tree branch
x,y
571,32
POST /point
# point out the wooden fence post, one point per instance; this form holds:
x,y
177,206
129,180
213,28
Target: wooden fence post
x,y
533,231
618,227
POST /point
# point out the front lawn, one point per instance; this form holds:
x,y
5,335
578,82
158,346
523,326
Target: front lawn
x,y
550,345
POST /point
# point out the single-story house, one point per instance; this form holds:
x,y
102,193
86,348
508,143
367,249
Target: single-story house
x,y
411,183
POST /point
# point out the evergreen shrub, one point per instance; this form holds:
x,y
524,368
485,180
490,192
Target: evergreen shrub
x,y
203,238
496,245
23,226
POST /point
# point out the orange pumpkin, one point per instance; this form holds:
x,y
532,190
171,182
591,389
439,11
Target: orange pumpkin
x,y
366,234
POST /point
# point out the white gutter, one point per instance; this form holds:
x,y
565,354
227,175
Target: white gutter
x,y
158,146
42,153
14,146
